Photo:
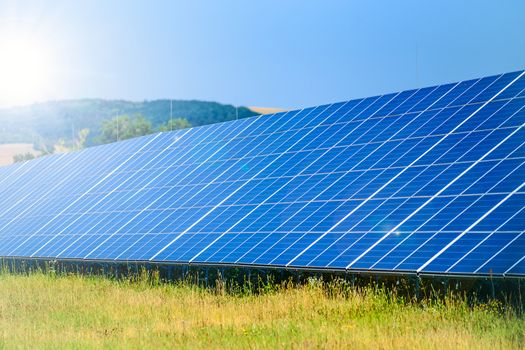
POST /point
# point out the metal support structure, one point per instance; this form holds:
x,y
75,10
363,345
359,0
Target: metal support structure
x,y
170,273
417,288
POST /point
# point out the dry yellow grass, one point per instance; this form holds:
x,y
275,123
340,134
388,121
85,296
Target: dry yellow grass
x,y
46,312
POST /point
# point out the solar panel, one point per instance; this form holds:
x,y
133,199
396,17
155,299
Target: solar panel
x,y
426,181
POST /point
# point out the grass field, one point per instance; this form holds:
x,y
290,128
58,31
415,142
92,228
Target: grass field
x,y
49,312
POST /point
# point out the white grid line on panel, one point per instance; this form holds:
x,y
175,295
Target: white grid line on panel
x,y
483,240
437,232
308,202
174,194
319,149
43,196
264,201
236,190
132,245
444,188
319,158
132,154
431,217
105,177
380,189
25,167
405,185
28,185
470,228
418,229
515,264
154,201
118,186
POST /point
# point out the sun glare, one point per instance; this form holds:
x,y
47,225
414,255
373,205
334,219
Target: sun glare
x,y
26,70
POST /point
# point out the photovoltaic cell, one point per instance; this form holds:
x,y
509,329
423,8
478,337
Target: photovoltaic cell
x,y
424,181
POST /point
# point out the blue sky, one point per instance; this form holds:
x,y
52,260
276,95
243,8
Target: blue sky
x,y
273,53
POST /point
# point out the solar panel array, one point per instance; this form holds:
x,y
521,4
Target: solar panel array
x,y
428,180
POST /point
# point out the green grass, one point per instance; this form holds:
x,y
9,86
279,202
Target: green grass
x,y
49,312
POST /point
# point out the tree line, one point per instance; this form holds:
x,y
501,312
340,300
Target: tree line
x,y
111,130
126,127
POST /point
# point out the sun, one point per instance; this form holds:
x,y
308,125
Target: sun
x,y
26,70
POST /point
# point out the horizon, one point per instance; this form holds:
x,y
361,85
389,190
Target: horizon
x,y
219,102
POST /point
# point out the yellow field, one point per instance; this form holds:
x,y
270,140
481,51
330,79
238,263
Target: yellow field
x,y
47,312
266,110
7,151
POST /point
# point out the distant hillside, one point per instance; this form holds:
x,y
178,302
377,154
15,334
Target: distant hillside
x,y
47,123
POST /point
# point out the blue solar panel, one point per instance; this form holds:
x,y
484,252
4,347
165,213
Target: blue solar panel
x,y
424,181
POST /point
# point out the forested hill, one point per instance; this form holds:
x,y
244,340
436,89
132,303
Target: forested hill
x,y
50,122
